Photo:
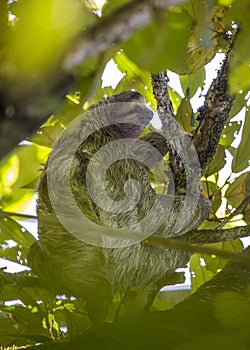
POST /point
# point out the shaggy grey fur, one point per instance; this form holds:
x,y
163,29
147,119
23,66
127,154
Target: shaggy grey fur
x,y
69,265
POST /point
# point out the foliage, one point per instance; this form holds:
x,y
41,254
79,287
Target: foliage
x,y
183,39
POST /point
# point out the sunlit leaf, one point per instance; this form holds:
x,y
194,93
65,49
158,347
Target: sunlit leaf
x,y
236,191
9,172
209,188
199,273
241,154
191,82
239,78
134,78
18,201
216,264
184,114
216,202
16,232
203,268
238,104
175,98
229,133
161,305
218,162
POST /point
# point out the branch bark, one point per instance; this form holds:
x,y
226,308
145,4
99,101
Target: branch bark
x,y
215,235
213,115
114,28
173,136
193,241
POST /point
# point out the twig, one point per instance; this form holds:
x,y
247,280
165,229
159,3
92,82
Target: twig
x,y
3,214
237,211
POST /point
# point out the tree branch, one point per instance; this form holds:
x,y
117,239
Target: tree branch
x,y
215,235
170,128
237,211
114,28
213,115
191,241
191,246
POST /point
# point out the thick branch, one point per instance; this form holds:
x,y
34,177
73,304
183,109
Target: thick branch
x,y
114,28
213,115
191,242
216,235
170,129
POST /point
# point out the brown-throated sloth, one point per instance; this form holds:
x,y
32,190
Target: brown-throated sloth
x,y
70,265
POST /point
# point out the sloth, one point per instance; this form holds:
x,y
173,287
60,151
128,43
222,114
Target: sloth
x,y
71,262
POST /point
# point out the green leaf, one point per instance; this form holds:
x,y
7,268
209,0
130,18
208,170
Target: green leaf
x,y
232,309
203,268
9,172
16,232
14,254
163,44
238,104
191,82
229,133
160,305
29,161
7,332
207,18
28,323
184,114
209,188
175,98
18,200
199,274
46,135
241,154
216,203
236,191
134,78
52,25
218,162
239,77
216,264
